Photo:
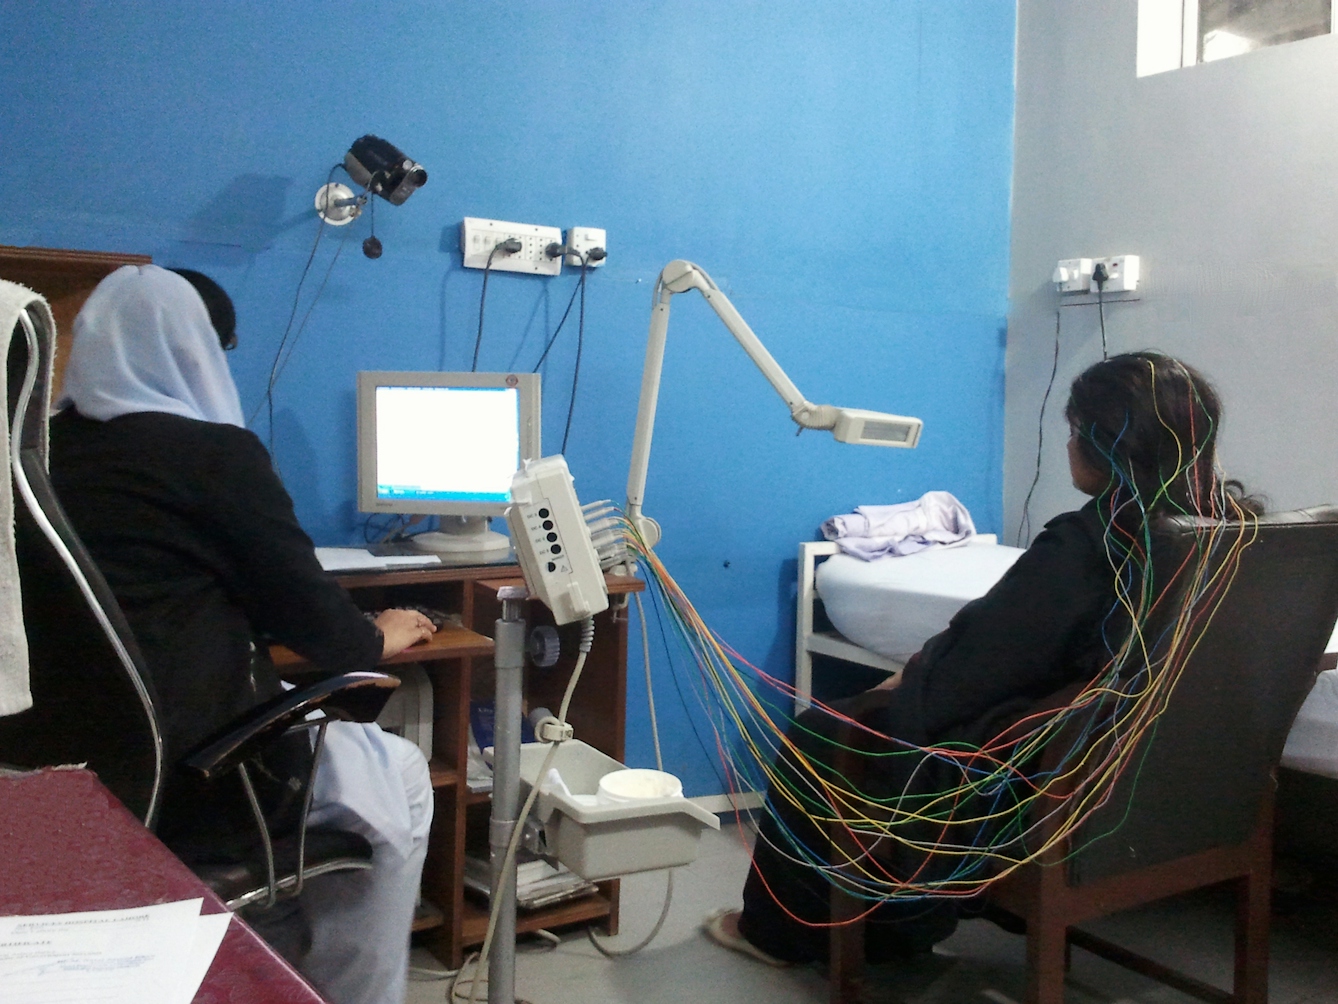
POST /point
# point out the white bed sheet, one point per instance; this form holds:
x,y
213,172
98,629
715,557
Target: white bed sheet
x,y
893,605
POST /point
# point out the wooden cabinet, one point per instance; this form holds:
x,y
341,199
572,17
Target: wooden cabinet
x,y
458,661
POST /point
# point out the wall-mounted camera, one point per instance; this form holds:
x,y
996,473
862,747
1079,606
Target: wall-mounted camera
x,y
380,168
383,169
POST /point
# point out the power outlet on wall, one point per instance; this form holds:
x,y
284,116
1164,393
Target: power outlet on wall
x,y
583,240
1073,275
478,238
1121,273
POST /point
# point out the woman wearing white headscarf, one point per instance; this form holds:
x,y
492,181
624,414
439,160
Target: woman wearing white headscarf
x,y
181,508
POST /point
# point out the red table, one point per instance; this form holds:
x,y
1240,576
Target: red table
x,y
67,845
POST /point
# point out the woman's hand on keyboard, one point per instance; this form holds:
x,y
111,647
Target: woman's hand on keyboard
x,y
402,628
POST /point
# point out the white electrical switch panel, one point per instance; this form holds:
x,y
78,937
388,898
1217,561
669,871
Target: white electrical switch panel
x,y
1121,273
583,240
478,238
552,541
1073,275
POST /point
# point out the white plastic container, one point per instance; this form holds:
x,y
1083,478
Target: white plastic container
x,y
633,785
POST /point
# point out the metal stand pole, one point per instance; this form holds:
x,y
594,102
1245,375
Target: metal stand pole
x,y
509,660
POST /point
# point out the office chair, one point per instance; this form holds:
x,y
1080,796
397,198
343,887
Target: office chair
x,y
94,702
1199,810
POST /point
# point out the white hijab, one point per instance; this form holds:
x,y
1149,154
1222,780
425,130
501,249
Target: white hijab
x,y
143,342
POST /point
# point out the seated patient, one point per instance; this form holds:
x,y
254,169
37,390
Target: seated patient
x,y
182,511
1143,439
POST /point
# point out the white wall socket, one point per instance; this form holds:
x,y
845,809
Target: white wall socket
x,y
478,237
582,239
1121,273
1073,275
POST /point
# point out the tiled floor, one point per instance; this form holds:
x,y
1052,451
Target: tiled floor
x,y
980,964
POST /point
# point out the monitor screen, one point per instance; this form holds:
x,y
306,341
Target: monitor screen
x,y
444,443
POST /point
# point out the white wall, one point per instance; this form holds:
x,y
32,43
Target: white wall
x,y
1224,178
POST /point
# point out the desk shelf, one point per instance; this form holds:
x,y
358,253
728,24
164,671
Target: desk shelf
x,y
594,906
427,916
442,775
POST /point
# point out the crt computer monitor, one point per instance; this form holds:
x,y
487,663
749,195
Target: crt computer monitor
x,y
447,445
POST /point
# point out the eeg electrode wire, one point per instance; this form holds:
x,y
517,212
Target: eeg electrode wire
x,y
617,953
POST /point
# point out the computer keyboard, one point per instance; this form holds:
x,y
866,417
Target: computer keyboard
x,y
439,618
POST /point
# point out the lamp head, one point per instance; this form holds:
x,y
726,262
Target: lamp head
x,y
862,428
874,428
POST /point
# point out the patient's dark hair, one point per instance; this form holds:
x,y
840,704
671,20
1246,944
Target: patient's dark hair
x,y
222,315
1151,423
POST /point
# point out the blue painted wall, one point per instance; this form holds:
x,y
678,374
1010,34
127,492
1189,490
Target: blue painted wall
x,y
842,170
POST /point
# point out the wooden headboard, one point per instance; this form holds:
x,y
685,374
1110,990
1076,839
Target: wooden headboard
x,y
65,278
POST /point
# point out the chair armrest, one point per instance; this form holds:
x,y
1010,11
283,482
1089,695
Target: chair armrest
x,y
352,697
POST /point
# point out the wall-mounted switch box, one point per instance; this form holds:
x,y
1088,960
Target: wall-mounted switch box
x,y
1073,275
478,238
1121,273
583,239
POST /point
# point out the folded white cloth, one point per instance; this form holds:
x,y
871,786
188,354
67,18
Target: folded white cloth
x,y
14,693
876,531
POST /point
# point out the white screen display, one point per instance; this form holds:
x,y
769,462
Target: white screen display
x,y
447,444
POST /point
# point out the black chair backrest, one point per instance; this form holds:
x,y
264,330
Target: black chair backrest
x,y
92,700
1198,782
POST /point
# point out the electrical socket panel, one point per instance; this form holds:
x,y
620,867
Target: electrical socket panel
x,y
553,543
478,237
583,239
1122,273
1073,275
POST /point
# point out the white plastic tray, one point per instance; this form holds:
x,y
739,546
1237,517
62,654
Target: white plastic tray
x,y
604,841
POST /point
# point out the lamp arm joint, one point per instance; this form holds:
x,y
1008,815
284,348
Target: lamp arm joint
x,y
808,415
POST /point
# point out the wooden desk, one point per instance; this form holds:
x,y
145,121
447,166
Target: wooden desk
x,y
458,661
67,846
448,643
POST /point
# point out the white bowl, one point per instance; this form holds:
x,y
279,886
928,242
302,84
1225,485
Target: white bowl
x,y
636,784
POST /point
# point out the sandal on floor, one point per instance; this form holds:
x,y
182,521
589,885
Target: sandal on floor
x,y
714,927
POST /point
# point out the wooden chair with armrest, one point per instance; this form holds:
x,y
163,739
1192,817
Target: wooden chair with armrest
x,y
1197,810
93,701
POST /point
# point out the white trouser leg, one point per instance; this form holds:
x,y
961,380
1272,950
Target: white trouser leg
x,y
376,784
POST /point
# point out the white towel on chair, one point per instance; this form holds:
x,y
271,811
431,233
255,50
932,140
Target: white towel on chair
x,y
14,693
875,531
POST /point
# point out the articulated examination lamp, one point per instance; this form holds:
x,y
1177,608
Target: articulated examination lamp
x,y
847,425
